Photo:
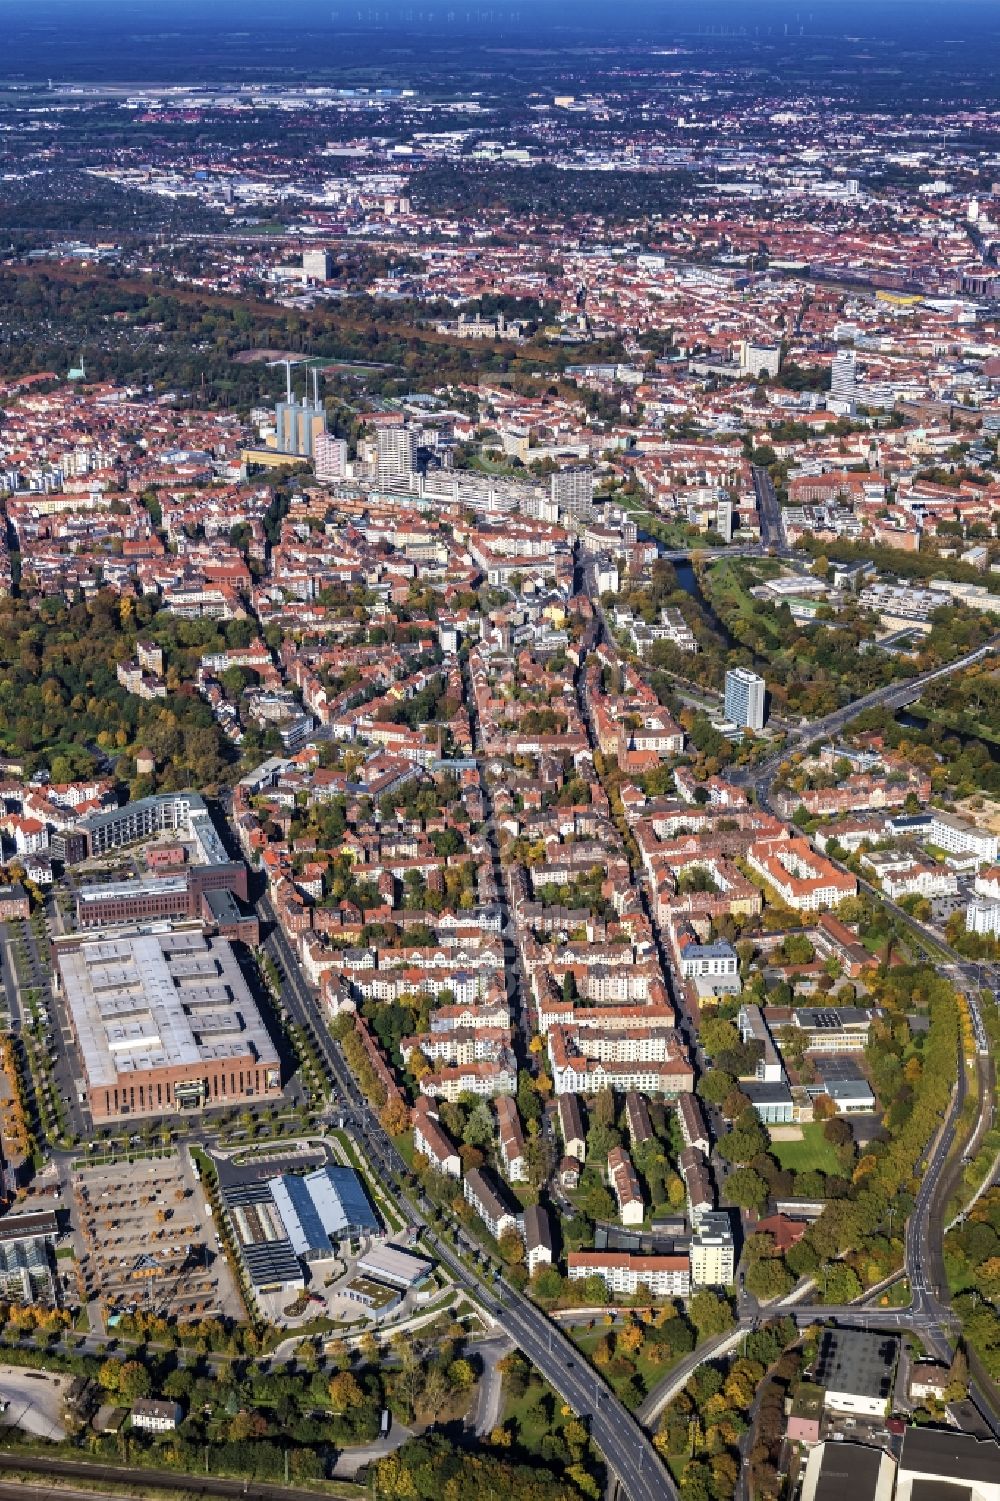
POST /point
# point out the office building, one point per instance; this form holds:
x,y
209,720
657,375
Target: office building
x,y
317,265
395,451
163,897
572,490
745,698
713,1252
329,457
163,1022
843,376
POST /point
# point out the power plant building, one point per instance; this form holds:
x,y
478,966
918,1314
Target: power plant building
x,y
299,423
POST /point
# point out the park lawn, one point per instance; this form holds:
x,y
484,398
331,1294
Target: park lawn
x,y
670,533
677,1464
648,1372
403,1143
896,1296
812,1153
530,1424
727,589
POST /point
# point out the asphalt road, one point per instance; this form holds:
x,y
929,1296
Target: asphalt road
x,y
772,531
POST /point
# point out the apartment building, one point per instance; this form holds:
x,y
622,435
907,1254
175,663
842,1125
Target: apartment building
x,y
958,837
537,1239
692,1123
488,1199
640,1125
432,1140
486,1079
571,1127
586,1061
713,1251
920,879
718,960
511,1140
698,1188
625,1272
625,1186
802,878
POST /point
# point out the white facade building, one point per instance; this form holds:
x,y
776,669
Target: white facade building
x,y
713,1252
745,698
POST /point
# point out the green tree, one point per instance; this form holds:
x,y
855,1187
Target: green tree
x,y
746,1188
710,1313
134,1381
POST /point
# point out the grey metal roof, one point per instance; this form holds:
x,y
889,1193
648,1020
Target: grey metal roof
x,y
950,1455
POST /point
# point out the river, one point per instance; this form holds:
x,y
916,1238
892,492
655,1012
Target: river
x,y
688,581
919,722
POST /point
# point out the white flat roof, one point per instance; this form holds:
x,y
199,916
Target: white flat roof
x,y
159,1000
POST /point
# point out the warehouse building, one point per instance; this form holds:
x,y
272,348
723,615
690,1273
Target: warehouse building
x,y
280,1225
856,1370
163,1021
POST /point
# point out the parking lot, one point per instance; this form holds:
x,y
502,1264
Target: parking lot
x,y
36,1401
149,1243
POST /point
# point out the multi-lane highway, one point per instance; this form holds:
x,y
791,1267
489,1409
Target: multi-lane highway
x,y
772,528
893,696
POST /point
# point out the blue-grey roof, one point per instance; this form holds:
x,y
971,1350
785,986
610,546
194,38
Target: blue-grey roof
x,y
299,1215
720,950
321,1207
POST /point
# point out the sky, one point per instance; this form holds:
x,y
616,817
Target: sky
x,y
162,40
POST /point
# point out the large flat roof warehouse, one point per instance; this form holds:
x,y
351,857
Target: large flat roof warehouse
x,y
858,1362
295,1218
321,1207
387,1263
164,1019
